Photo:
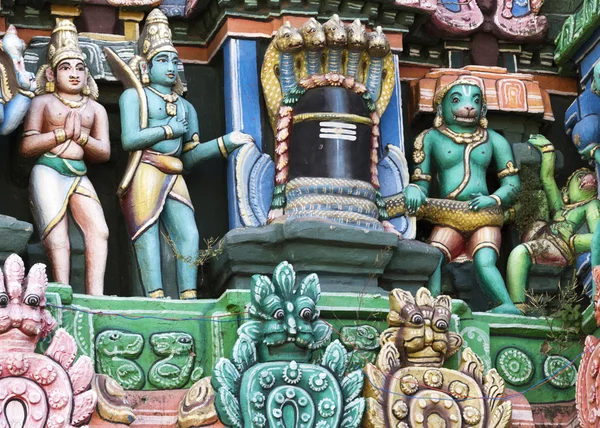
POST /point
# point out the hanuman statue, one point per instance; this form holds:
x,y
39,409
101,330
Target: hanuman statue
x,y
63,126
160,130
462,149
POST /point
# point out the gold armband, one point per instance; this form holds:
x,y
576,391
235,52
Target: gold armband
x,y
28,94
497,199
60,136
418,175
191,145
508,171
168,131
548,148
83,139
593,151
572,243
30,133
222,147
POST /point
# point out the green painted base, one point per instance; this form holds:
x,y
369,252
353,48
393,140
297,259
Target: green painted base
x,y
347,259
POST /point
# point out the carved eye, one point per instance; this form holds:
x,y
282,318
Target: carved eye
x,y
3,300
455,100
476,101
114,336
278,315
184,339
306,314
417,319
32,300
441,325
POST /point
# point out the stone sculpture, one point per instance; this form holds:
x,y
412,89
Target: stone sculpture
x,y
325,116
65,124
468,219
116,351
17,85
558,242
409,387
507,19
586,396
161,132
269,380
49,390
176,365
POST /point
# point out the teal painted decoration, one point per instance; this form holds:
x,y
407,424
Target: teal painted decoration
x,y
268,381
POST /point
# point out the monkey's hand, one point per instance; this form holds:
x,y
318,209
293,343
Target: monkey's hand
x,y
539,141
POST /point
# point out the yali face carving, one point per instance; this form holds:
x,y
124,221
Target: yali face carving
x,y
23,314
420,328
163,69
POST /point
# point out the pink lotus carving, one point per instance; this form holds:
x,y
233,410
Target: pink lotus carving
x,y
53,389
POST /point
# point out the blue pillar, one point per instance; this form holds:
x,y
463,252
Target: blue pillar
x,y
242,88
242,108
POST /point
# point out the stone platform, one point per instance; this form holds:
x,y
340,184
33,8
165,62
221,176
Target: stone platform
x,y
347,259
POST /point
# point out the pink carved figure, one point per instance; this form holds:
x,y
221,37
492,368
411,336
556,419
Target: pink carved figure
x,y
587,395
51,390
525,25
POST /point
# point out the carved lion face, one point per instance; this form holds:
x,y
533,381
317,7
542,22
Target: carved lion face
x,y
420,328
24,319
286,317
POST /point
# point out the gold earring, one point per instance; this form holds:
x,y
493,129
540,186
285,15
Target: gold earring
x,y
86,90
565,197
438,121
483,122
49,86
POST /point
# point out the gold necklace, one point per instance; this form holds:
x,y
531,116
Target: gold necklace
x,y
72,104
464,138
170,99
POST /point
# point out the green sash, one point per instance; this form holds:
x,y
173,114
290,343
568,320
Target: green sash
x,y
68,167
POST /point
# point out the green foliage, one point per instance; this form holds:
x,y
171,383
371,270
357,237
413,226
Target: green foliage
x,y
531,204
563,313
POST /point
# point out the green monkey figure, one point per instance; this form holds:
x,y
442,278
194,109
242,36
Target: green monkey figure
x,y
463,148
556,243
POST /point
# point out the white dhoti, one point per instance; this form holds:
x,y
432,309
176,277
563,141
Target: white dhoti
x,y
49,194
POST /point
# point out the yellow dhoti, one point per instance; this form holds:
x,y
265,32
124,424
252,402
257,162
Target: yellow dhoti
x,y
157,178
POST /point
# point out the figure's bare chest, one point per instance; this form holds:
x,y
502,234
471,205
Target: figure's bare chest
x,y
449,154
57,112
157,108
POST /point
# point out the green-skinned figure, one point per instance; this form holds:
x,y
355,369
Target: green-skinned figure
x,y
160,130
462,149
556,243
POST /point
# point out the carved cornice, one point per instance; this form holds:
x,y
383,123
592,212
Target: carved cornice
x,y
514,93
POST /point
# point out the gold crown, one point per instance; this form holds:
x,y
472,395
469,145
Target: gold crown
x,y
156,35
64,43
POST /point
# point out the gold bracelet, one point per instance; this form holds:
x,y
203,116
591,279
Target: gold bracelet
x,y
83,139
168,132
593,151
548,148
497,199
222,147
60,136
